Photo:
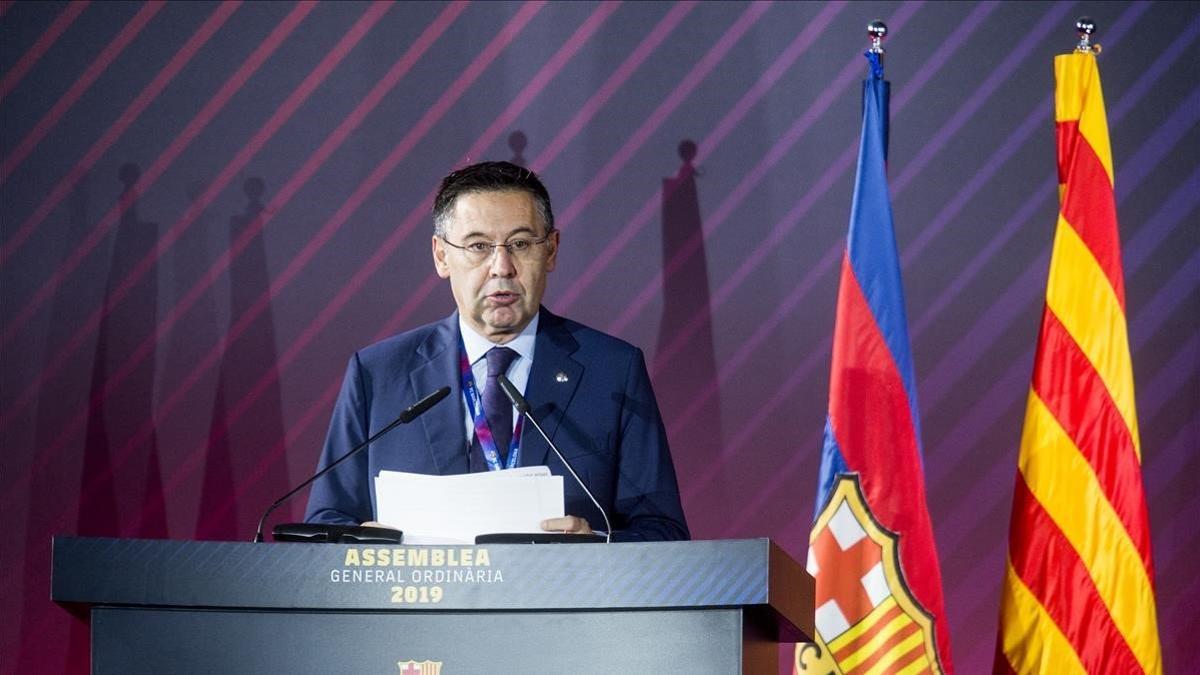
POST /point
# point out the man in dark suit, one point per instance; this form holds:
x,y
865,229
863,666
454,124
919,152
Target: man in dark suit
x,y
494,240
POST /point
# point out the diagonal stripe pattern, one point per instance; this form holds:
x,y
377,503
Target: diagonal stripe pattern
x,y
1079,517
969,182
97,67
56,29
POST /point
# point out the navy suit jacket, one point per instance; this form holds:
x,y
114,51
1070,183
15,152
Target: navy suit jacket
x,y
603,417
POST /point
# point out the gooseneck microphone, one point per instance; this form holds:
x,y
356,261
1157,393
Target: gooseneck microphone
x,y
522,407
410,413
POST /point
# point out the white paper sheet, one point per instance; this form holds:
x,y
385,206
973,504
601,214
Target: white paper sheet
x,y
454,509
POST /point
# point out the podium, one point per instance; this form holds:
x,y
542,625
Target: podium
x,y
200,607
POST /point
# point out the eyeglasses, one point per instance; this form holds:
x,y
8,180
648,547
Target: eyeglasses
x,y
479,252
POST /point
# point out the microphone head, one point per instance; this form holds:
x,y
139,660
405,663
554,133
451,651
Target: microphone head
x,y
513,395
417,409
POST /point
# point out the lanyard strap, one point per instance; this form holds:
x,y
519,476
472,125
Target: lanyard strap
x,y
482,431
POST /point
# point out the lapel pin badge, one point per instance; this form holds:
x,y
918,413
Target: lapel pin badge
x,y
561,377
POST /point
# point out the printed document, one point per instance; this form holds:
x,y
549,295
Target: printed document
x,y
454,509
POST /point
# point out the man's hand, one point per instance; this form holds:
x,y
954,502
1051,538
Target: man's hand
x,y
376,523
567,525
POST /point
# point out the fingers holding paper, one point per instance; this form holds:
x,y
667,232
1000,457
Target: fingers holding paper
x,y
375,523
567,525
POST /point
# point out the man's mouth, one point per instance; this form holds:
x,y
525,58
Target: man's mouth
x,y
503,297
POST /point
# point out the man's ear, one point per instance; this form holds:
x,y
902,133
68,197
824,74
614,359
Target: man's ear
x,y
552,257
439,258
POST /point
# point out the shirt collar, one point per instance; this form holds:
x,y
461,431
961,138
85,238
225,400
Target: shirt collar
x,y
477,345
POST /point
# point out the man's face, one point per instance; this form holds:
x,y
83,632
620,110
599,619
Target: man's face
x,y
499,296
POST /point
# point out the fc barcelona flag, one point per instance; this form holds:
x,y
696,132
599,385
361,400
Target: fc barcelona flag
x,y
1078,592
878,586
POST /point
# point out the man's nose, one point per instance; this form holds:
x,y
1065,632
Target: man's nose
x,y
502,263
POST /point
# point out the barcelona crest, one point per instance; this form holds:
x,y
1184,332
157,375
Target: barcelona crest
x,y
867,620
420,667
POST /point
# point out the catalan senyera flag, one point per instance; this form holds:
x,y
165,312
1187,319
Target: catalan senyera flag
x,y
871,550
1078,592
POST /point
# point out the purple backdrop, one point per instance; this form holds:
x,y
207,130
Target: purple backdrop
x,y
208,207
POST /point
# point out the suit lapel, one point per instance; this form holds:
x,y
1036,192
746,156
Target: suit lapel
x,y
443,423
547,392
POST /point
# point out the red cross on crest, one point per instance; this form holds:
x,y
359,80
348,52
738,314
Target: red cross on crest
x,y
852,564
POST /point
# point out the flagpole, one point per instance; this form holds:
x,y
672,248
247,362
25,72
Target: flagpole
x,y
876,30
1085,26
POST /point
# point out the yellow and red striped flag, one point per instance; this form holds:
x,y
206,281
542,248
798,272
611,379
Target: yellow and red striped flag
x,y
1078,592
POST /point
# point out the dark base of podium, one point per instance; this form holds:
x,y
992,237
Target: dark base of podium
x,y
142,640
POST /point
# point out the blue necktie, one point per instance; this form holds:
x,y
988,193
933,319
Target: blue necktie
x,y
496,405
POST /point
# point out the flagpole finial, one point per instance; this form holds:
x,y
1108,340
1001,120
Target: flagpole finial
x,y
1086,27
877,30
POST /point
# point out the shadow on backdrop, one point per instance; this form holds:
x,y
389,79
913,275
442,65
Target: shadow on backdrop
x,y
685,296
45,493
235,449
